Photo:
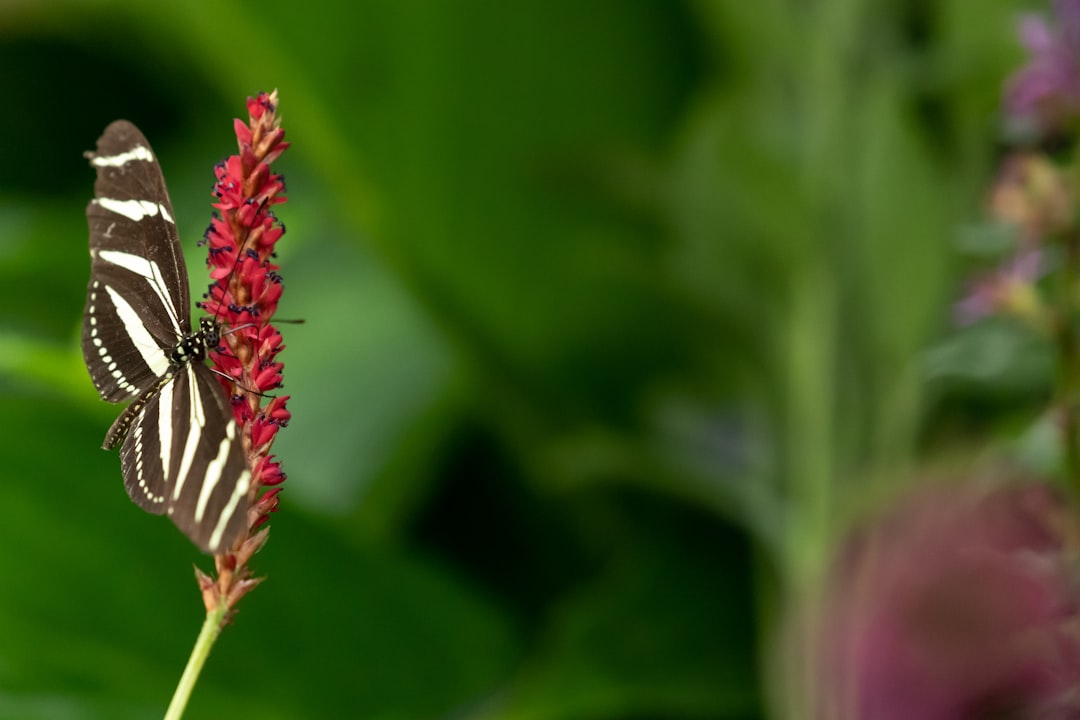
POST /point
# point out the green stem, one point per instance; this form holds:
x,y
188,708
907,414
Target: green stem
x,y
210,630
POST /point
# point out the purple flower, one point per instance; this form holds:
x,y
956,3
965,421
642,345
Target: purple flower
x,y
1035,199
1008,289
1044,96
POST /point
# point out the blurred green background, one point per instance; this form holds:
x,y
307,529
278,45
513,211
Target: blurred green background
x,y
616,313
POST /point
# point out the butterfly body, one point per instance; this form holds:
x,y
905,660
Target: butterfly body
x,y
181,451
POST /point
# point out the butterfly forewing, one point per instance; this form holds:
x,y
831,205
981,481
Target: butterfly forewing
x,y
138,306
182,454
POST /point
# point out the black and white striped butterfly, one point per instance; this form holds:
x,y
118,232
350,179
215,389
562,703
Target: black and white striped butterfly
x,y
182,454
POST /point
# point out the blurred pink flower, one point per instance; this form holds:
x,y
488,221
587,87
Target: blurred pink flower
x,y
1035,199
956,607
1007,289
1044,95
1035,196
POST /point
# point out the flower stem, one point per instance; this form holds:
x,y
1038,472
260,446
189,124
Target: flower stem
x,y
210,630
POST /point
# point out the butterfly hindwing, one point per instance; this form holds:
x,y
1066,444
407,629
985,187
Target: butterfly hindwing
x,y
183,457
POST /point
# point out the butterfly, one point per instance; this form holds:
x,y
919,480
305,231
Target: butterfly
x,y
181,451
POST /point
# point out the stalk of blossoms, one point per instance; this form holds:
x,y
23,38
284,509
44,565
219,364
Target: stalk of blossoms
x,y
1042,102
243,297
1037,194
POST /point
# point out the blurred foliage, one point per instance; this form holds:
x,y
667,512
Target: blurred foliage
x,y
615,315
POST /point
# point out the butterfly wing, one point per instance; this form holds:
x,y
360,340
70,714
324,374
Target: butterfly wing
x,y
138,306
183,457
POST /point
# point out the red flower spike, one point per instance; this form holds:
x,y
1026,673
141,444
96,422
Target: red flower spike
x,y
243,298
